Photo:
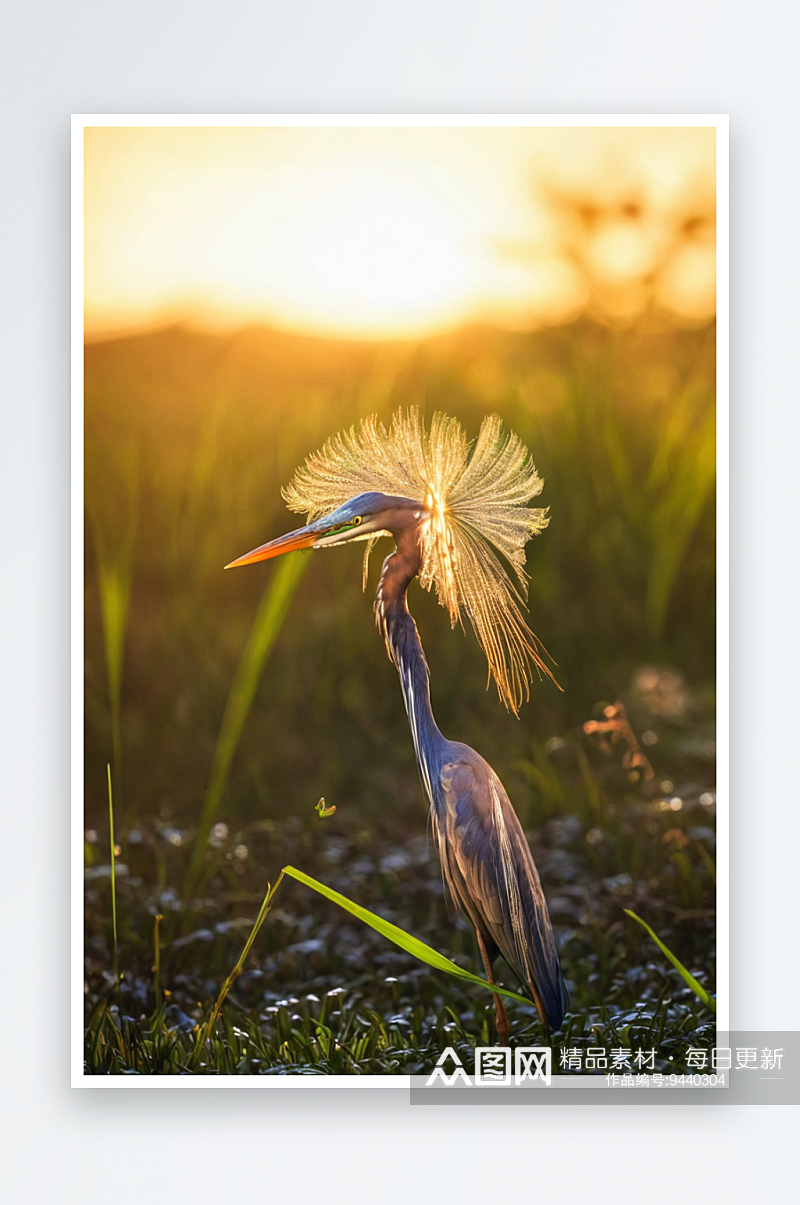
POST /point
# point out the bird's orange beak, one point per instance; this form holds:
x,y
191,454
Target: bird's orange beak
x,y
304,537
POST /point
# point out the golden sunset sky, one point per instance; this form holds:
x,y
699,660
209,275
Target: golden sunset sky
x,y
395,232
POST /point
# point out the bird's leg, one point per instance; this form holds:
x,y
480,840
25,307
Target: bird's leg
x,y
500,1014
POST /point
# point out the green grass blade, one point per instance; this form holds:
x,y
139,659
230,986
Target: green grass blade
x,y
157,961
114,477
682,481
113,877
268,622
228,984
685,975
412,945
115,586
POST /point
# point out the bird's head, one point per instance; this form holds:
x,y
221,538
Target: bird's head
x,y
459,514
364,517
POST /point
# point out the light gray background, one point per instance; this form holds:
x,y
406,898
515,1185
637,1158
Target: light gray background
x,y
371,56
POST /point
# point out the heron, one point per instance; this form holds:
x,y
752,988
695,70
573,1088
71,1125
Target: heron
x,y
456,512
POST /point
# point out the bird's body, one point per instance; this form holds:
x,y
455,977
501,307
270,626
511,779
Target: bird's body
x,y
487,864
465,508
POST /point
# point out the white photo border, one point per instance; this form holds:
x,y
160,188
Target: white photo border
x,y
81,122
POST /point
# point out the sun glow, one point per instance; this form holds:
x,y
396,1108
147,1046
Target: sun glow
x,y
382,258
394,232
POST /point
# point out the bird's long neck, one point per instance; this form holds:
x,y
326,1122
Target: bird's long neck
x,y
405,649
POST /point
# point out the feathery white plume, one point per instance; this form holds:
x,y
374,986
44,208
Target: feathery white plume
x,y
478,499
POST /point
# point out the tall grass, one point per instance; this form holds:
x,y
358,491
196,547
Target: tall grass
x,y
679,484
630,476
405,941
114,584
157,961
113,513
113,857
269,619
227,985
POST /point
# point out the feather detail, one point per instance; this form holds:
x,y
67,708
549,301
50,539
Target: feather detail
x,y
371,542
477,500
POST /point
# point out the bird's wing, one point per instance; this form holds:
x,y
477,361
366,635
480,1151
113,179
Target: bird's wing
x,y
490,871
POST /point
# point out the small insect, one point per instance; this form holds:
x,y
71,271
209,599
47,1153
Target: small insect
x,y
323,811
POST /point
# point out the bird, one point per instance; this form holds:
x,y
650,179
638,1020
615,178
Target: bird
x,y
456,510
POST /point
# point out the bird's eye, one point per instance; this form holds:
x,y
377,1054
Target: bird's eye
x,y
357,521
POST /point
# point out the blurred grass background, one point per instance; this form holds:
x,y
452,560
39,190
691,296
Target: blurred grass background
x,y
189,437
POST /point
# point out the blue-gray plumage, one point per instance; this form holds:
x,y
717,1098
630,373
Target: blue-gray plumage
x,y
486,861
